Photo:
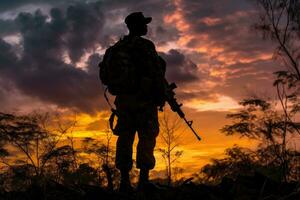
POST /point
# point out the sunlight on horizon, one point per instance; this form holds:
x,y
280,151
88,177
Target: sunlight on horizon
x,y
196,154
223,103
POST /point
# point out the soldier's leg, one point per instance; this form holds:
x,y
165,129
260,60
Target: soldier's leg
x,y
124,159
147,132
124,150
126,132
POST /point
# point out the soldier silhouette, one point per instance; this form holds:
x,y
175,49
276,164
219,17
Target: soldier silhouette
x,y
138,97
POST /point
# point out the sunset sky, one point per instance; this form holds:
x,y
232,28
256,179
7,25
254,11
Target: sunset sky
x,y
50,49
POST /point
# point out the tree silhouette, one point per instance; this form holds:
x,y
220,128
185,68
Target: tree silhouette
x,y
261,121
238,161
279,21
29,145
170,135
105,157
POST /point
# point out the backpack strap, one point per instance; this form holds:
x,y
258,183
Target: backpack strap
x,y
113,112
106,98
112,119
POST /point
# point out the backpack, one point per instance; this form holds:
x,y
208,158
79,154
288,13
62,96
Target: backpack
x,y
117,69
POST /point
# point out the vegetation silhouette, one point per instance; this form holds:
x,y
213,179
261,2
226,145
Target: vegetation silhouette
x,y
73,169
170,134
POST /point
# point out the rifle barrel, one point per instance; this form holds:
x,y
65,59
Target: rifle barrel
x,y
189,124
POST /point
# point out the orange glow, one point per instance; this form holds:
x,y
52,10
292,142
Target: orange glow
x,y
177,18
223,103
196,154
211,21
234,57
211,50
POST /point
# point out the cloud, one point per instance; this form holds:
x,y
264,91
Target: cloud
x,y
42,72
208,47
76,30
85,22
7,27
234,60
247,79
11,5
53,45
7,55
221,30
179,68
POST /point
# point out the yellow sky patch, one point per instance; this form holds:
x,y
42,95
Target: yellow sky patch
x,y
223,103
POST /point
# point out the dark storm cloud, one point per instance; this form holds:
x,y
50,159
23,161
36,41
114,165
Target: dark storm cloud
x,y
7,27
7,56
42,71
5,95
13,4
93,61
69,31
9,4
8,61
85,25
77,30
114,11
179,68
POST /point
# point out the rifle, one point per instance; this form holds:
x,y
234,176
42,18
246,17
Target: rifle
x,y
175,106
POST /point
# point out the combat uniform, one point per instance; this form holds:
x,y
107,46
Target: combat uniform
x,y
138,112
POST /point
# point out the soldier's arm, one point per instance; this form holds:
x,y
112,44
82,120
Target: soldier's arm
x,y
158,66
158,63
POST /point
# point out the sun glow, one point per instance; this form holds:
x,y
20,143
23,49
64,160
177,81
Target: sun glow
x,y
224,103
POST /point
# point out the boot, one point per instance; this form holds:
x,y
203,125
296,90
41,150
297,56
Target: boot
x,y
125,185
144,176
144,184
